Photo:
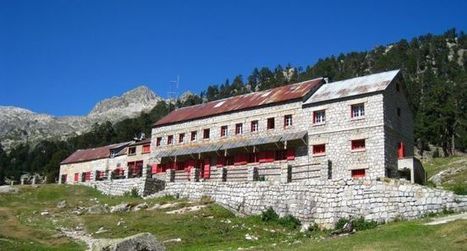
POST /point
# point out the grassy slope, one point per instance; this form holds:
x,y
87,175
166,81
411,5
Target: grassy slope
x,y
457,182
23,228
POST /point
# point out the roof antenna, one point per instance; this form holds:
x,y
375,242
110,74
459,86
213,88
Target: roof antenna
x,y
173,89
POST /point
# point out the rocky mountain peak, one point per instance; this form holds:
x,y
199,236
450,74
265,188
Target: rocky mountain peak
x,y
137,99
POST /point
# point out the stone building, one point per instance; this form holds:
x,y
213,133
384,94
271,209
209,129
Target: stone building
x,y
360,127
116,161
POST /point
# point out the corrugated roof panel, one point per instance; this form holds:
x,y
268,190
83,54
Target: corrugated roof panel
x,y
352,87
292,136
82,155
255,99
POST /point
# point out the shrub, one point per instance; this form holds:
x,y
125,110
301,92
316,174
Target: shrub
x,y
362,224
204,200
358,224
132,193
314,228
290,222
341,223
287,221
269,215
459,189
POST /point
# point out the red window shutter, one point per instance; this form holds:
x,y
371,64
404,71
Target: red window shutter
x,y
401,150
358,173
154,168
207,169
146,148
76,179
290,154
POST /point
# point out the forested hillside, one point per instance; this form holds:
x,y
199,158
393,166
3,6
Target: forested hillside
x,y
433,67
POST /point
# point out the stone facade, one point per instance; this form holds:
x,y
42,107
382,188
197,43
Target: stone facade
x,y
324,202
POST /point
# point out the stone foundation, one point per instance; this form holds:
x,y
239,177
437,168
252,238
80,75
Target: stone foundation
x,y
324,202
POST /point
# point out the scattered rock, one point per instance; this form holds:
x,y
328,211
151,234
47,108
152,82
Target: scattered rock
x,y
97,209
250,237
186,209
140,206
44,213
173,240
138,242
8,189
61,204
120,208
101,230
120,222
168,205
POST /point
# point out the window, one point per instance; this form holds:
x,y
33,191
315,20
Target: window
x,y
319,117
224,131
358,173
398,112
319,150
358,110
270,123
288,120
131,150
194,135
238,128
170,140
158,141
254,126
147,148
358,144
181,138
206,133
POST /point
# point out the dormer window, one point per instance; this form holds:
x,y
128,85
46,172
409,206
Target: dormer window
x,y
132,150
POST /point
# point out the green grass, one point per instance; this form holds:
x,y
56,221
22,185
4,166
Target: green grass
x,y
212,228
457,182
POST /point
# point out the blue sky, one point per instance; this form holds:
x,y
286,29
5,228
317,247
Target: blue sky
x,y
63,56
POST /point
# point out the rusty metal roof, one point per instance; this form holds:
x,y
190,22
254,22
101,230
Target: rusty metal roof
x,y
83,155
352,87
242,102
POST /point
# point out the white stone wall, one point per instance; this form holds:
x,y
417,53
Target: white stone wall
x,y
324,202
139,155
81,167
215,123
340,128
397,128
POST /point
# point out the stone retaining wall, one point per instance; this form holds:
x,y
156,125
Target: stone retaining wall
x,y
121,186
324,202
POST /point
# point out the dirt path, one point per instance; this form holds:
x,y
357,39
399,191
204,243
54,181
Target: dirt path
x,y
446,219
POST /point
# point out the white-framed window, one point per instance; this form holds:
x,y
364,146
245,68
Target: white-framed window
x,y
319,117
357,110
224,131
254,126
288,120
238,128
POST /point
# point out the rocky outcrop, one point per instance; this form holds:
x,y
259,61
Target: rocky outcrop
x,y
18,125
138,242
8,189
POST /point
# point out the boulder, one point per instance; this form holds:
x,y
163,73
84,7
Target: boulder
x,y
61,204
97,209
138,242
8,189
140,206
120,208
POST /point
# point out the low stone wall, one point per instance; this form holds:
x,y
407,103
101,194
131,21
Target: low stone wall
x,y
324,202
121,186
